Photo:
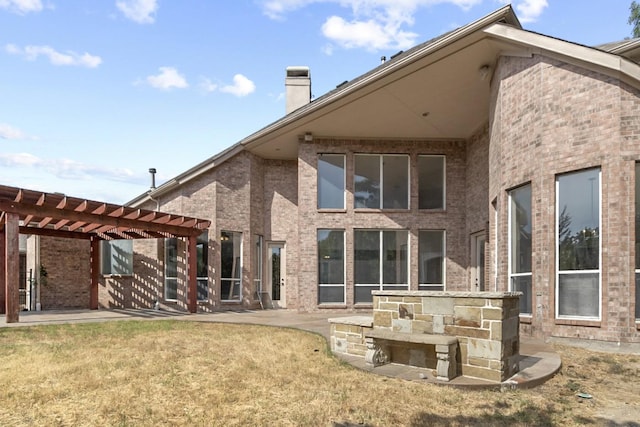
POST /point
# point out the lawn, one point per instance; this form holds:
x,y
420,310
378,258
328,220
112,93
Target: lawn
x,y
139,373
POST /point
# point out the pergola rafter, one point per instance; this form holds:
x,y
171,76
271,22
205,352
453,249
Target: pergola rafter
x,y
57,215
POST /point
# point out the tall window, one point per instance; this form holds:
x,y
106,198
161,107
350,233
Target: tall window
x,y
331,266
381,181
380,262
431,182
578,244
202,262
520,245
230,265
171,269
116,256
637,241
331,181
257,267
431,260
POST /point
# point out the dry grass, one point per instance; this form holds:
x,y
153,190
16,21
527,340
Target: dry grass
x,y
182,373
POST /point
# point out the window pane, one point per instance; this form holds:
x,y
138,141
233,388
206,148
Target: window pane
x,y
331,257
578,295
523,284
331,294
363,294
431,182
331,181
117,256
202,261
637,240
637,296
578,221
394,252
257,266
367,182
395,178
431,257
171,269
520,226
231,264
367,257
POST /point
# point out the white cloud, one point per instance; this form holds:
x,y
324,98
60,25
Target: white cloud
x,y
207,85
530,10
21,6
370,34
168,78
9,132
32,53
69,169
241,86
140,11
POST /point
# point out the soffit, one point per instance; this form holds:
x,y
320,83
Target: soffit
x,y
57,215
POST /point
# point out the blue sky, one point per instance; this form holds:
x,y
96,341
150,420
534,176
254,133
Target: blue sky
x,y
95,92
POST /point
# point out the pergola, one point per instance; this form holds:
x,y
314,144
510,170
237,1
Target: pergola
x,y
57,215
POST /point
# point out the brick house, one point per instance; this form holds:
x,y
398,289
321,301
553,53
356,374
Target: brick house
x,y
490,158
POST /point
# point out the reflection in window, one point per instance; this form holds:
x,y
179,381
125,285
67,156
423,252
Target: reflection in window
x,y
171,269
431,260
578,244
431,182
331,181
380,262
230,265
520,245
116,256
381,181
202,262
331,285
637,241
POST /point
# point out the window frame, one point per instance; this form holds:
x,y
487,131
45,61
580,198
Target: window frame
x,y
381,285
637,241
258,266
166,268
443,285
238,268
344,181
444,181
203,281
559,272
129,257
381,178
343,285
511,275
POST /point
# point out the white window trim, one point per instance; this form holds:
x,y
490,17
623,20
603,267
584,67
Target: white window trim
x,y
557,254
444,260
344,269
444,181
510,273
240,267
344,182
381,170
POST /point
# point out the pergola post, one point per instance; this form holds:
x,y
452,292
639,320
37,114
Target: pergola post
x,y
95,272
192,275
11,263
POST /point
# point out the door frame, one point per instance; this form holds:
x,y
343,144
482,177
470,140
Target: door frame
x,y
477,260
282,302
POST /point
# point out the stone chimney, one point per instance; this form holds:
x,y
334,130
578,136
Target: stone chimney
x,y
298,87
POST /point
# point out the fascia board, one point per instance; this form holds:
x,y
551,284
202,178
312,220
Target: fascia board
x,y
576,54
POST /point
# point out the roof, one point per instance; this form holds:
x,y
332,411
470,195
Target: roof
x,y
432,91
58,215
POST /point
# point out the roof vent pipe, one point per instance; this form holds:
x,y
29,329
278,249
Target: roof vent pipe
x,y
298,88
383,59
152,171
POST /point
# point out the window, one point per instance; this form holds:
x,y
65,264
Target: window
x,y
380,262
202,261
520,245
431,260
431,182
381,181
116,256
230,265
257,267
171,269
578,244
331,181
331,286
637,241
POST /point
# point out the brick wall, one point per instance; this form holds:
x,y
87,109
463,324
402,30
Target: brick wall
x,y
68,277
549,118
